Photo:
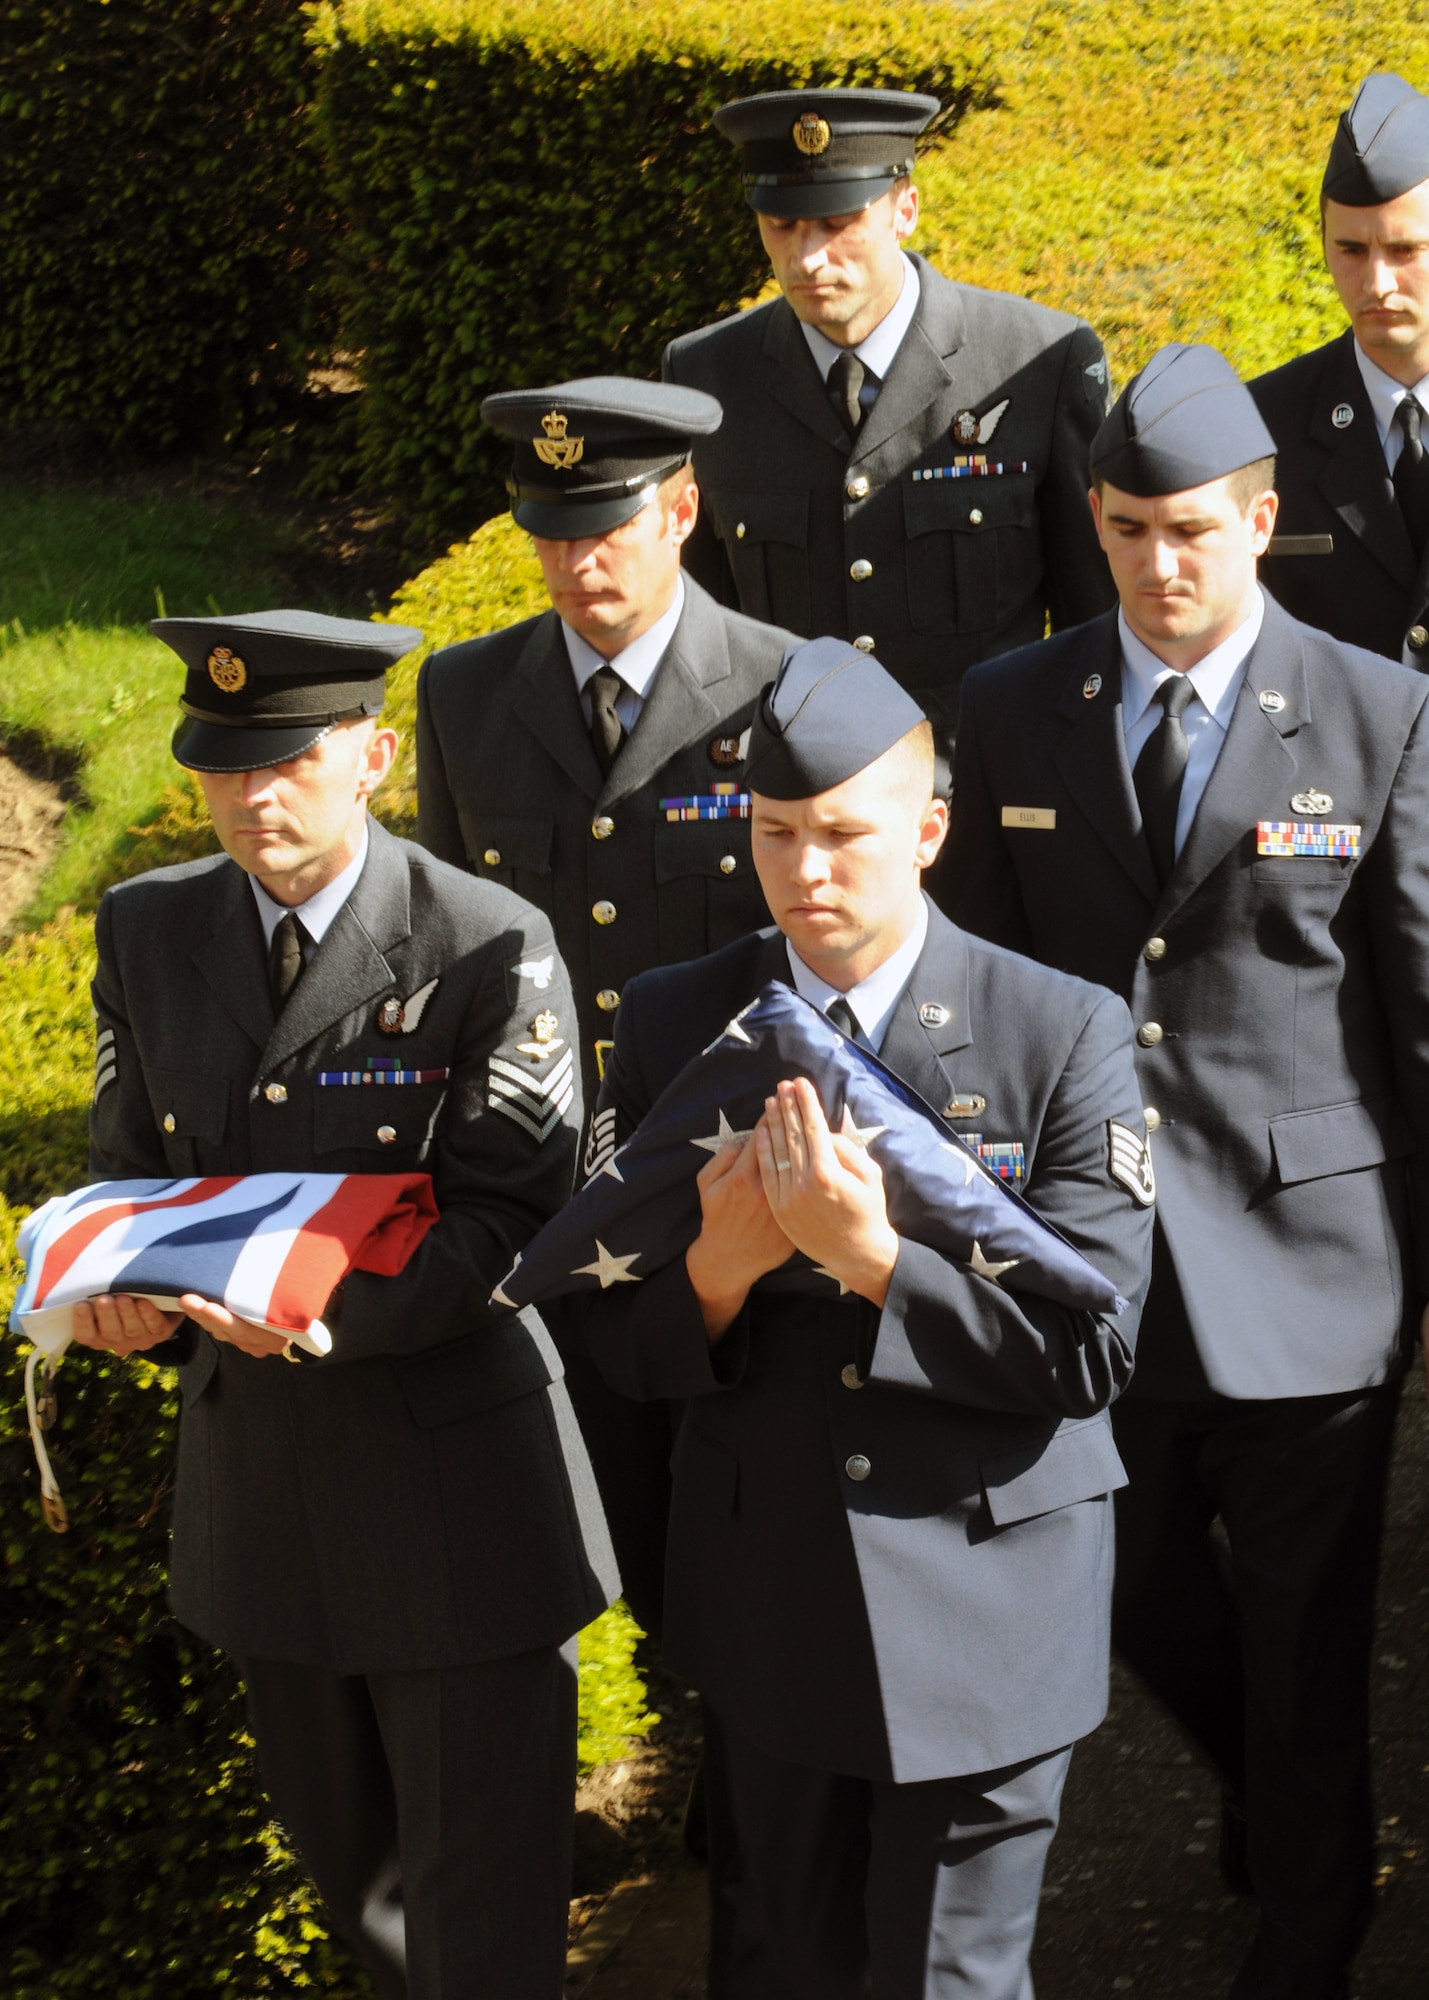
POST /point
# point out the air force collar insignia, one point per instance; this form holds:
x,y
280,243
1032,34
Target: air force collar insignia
x,y
1129,1162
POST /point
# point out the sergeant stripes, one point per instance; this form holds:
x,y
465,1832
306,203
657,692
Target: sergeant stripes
x,y
537,1104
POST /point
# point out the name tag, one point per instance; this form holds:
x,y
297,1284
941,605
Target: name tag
x,y
1286,838
1044,817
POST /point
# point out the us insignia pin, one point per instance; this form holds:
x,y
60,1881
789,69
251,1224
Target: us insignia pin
x,y
1342,416
932,1014
1311,803
1271,700
1091,687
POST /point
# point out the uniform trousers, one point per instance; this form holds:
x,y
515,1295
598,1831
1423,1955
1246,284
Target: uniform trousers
x,y
870,1890
1259,1642
433,1811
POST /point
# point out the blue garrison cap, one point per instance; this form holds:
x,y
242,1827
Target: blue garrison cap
x,y
1381,144
830,713
823,152
1185,420
263,687
589,454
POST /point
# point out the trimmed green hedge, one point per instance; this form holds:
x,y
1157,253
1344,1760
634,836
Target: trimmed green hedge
x,y
533,191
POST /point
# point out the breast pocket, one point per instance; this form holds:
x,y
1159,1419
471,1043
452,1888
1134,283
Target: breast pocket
x,y
974,555
394,1121
706,891
514,852
191,1113
766,539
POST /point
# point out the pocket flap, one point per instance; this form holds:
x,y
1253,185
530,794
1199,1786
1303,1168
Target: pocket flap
x,y
349,1117
1079,1464
701,847
1338,1139
516,843
478,1372
938,506
198,1105
759,517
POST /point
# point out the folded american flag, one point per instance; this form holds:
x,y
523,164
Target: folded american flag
x,y
640,1208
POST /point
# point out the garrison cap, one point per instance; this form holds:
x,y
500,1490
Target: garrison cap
x,y
1381,144
266,686
824,152
830,713
1185,420
589,454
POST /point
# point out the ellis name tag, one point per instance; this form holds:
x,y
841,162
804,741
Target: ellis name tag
x,y
1039,817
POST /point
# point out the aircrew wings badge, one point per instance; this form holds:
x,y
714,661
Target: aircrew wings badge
x,y
1129,1162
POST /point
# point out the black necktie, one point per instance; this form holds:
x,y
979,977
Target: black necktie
x,y
844,1019
285,959
1159,771
607,732
1411,474
845,380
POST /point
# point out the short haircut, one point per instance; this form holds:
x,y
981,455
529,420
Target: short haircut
x,y
911,767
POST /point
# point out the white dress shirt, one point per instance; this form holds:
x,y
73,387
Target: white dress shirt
x,y
1207,716
882,344
319,911
873,999
1385,397
636,666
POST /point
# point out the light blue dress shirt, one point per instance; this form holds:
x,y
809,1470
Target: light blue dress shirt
x,y
636,666
873,999
319,911
878,351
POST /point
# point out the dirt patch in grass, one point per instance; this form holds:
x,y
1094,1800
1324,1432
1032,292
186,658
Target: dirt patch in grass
x,y
31,808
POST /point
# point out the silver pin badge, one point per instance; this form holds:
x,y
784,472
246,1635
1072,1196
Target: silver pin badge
x,y
971,1106
932,1014
1271,700
1342,416
1091,687
1311,804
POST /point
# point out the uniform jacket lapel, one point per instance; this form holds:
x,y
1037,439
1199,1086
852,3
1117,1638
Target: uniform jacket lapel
x,y
792,378
1091,755
920,375
685,702
232,959
545,698
1354,479
914,1049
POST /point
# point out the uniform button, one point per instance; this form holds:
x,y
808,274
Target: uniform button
x,y
857,489
1152,1117
1418,637
861,570
1150,1033
739,532
851,1379
603,912
492,857
858,1466
863,643
607,999
602,828
976,517
1153,949
727,864
168,1121
276,1093
386,1133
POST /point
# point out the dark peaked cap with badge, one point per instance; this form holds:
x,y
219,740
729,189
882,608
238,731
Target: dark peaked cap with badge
x,y
589,454
824,152
1381,144
266,686
1185,420
831,712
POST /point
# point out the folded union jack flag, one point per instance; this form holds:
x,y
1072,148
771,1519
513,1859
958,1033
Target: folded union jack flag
x,y
640,1208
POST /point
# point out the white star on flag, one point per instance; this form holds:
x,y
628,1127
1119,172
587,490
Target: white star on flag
x,y
861,1137
979,1265
498,1297
965,1159
726,1136
609,1269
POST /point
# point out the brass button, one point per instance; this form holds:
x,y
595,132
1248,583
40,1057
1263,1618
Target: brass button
x,y
851,1379
1153,949
976,517
1150,1033
1418,637
727,864
857,489
1152,1117
276,1093
492,857
739,532
861,570
858,1466
607,999
386,1133
168,1121
602,828
603,912
863,643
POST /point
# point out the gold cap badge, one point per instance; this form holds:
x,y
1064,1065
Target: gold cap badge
x,y
226,670
812,134
555,448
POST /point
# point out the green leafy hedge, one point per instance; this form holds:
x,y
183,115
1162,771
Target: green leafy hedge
x,y
532,190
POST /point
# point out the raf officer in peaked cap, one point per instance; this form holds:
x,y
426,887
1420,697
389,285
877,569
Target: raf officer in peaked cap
x,y
903,460
890,1545
1220,812
1351,419
396,1541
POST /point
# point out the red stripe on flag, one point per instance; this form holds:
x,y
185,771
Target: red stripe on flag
x,y
343,1233
78,1236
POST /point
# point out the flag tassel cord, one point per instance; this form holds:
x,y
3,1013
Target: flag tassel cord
x,y
51,1499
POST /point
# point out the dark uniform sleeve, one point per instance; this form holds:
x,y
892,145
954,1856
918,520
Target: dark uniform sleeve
x,y
1079,584
703,555
124,1138
438,827
949,1333
975,883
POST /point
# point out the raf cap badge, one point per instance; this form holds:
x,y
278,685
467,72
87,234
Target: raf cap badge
x,y
812,134
1342,416
555,448
1312,804
226,670
1091,687
547,1040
